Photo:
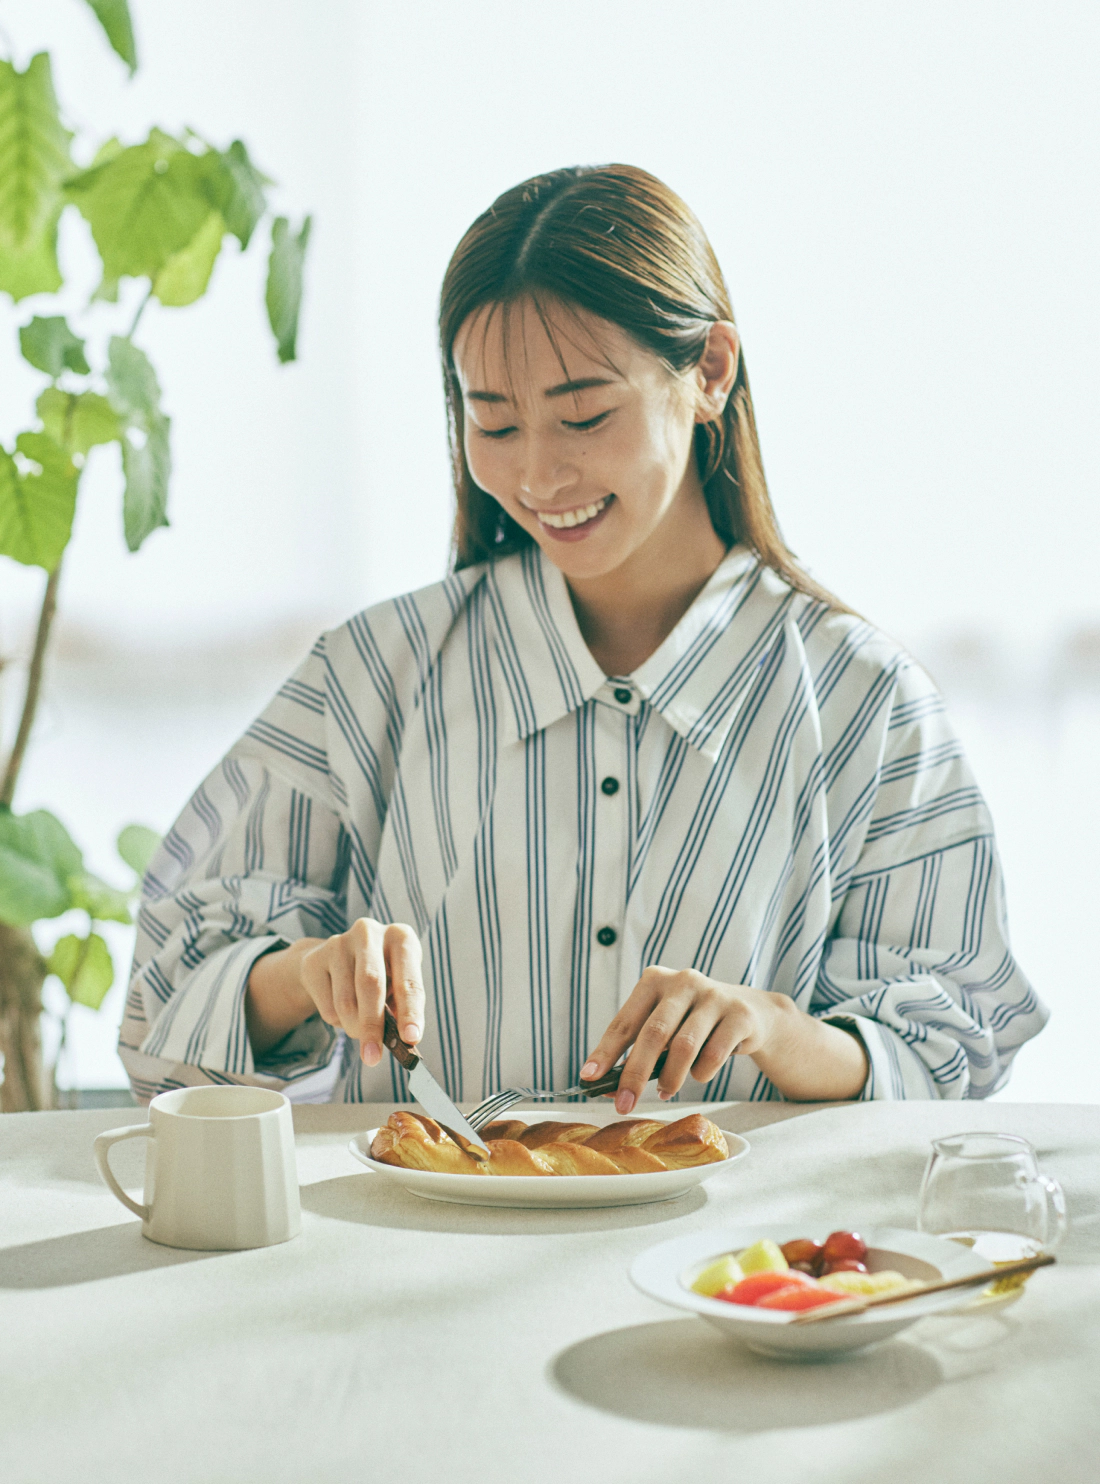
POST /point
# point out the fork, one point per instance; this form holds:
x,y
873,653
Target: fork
x,y
501,1101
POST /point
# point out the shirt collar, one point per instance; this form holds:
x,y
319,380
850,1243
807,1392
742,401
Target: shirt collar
x,y
697,679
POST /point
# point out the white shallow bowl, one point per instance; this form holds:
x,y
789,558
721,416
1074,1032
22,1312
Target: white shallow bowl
x,y
542,1192
666,1272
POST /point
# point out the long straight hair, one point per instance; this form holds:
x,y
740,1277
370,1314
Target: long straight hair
x,y
615,241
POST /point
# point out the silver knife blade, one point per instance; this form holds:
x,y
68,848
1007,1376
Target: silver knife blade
x,y
429,1094
438,1105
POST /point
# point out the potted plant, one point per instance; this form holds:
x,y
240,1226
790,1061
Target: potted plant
x,y
160,211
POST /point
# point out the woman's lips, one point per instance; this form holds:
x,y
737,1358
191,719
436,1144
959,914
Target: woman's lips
x,y
577,533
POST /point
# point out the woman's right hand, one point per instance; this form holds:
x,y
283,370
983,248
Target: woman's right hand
x,y
347,979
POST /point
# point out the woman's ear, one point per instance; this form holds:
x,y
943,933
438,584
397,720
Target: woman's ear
x,y
717,370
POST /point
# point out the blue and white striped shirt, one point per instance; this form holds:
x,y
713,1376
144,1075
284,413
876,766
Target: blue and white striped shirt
x,y
774,798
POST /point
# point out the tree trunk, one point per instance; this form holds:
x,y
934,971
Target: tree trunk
x,y
22,971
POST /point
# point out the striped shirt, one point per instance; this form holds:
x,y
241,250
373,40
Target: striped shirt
x,y
774,798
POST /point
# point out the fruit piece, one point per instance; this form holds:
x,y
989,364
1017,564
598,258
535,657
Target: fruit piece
x,y
754,1287
803,1253
763,1257
804,1267
839,1245
725,1273
800,1297
867,1283
844,1265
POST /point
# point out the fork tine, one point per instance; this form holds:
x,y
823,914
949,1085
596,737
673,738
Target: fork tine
x,y
488,1110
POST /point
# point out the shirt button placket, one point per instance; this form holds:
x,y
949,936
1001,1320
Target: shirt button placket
x,y
609,876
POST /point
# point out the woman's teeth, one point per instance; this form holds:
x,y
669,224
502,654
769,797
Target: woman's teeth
x,y
569,518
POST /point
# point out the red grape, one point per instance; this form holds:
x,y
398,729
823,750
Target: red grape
x,y
844,1265
802,1251
840,1245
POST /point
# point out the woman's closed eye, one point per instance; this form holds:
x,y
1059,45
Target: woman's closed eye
x,y
589,422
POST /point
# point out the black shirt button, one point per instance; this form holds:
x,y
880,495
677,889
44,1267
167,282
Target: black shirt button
x,y
610,786
606,936
623,696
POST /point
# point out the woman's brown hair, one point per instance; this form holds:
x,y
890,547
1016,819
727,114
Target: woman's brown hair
x,y
617,242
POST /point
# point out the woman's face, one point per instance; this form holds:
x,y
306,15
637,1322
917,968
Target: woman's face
x,y
587,446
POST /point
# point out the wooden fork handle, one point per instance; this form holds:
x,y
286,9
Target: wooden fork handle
x,y
609,1082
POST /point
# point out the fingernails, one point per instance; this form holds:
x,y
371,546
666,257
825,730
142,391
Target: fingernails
x,y
624,1101
589,1070
372,1053
410,1033
663,1095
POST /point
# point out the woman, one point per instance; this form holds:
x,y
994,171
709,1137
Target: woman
x,y
628,779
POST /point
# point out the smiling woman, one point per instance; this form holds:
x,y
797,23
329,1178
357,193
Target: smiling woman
x,y
628,781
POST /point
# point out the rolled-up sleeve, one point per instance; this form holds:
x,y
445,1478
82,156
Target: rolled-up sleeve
x,y
257,859
919,964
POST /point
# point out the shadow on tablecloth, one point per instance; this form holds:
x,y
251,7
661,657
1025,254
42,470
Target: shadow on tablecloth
x,y
677,1373
371,1201
84,1257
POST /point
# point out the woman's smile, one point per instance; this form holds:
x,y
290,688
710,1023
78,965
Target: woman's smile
x,y
576,523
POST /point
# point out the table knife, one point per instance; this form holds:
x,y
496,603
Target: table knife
x,y
427,1090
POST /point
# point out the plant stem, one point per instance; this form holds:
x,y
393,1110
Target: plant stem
x,y
34,685
140,312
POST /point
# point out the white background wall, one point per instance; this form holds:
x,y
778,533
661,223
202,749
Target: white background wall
x,y
904,201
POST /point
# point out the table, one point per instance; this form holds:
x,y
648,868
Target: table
x,y
401,1340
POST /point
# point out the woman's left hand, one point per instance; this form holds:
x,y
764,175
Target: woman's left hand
x,y
701,1022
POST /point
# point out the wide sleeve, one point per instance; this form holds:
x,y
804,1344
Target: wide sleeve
x,y
257,859
919,963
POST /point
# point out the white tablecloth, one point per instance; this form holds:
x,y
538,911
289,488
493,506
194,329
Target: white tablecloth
x,y
403,1342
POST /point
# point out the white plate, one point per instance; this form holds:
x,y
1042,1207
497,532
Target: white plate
x,y
666,1272
541,1192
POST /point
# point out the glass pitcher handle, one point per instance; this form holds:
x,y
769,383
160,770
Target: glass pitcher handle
x,y
1056,1210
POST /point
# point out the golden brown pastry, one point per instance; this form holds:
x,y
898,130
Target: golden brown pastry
x,y
536,1135
577,1159
632,1146
628,1131
689,1141
419,1143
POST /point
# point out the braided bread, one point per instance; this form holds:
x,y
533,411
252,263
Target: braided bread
x,y
634,1146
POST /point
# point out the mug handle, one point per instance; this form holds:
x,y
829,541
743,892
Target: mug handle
x,y
1056,1206
102,1149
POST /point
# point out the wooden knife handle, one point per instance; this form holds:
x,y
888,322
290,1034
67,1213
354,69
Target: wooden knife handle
x,y
401,1050
609,1082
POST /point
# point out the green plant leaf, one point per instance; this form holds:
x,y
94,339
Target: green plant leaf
x,y
144,204
237,190
38,859
32,269
78,421
50,346
134,393
34,154
114,17
84,967
99,898
137,844
36,506
284,283
184,277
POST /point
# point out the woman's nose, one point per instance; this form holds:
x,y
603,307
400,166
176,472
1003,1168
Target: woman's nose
x,y
545,475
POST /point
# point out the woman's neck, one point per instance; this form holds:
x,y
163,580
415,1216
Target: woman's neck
x,y
626,615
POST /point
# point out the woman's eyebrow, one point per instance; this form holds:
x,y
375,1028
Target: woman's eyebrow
x,y
563,389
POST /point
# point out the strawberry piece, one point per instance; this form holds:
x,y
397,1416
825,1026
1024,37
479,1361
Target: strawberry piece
x,y
753,1288
799,1297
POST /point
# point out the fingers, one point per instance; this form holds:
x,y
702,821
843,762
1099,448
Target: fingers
x,y
350,976
369,960
698,1020
624,1026
406,989
657,1031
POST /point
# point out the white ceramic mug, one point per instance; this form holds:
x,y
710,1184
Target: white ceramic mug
x,y
220,1172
